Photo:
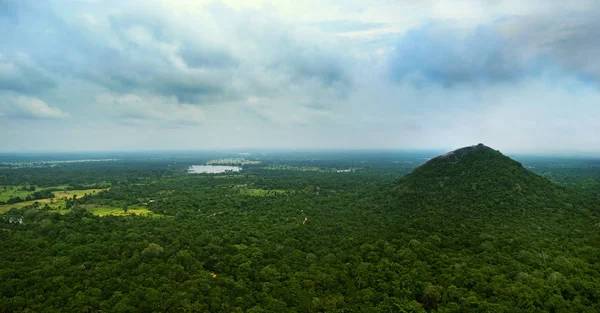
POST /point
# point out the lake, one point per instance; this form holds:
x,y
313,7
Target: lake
x,y
213,169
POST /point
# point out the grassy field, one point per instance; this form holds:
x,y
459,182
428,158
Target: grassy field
x,y
58,206
57,202
7,192
294,168
53,203
261,192
121,212
79,193
11,192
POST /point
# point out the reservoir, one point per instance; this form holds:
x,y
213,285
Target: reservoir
x,y
213,169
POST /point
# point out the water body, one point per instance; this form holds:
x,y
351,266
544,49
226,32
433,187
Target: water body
x,y
213,169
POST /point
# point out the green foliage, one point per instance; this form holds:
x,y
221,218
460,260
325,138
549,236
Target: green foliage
x,y
475,232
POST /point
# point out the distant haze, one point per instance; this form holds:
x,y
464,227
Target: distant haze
x,y
519,76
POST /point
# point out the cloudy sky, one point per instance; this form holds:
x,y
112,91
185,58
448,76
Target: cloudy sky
x,y
520,76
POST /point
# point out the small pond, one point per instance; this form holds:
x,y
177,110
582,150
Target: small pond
x,y
213,169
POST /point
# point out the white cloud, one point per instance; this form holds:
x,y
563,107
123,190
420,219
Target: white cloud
x,y
150,110
30,107
267,73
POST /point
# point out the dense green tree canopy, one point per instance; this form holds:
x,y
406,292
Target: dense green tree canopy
x,y
472,231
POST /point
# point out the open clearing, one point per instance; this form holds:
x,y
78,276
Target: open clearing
x,y
7,192
104,211
79,193
294,168
261,192
58,202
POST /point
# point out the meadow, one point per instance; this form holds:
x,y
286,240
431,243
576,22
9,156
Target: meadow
x,y
57,203
22,191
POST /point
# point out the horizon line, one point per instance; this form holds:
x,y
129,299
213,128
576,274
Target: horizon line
x,y
541,153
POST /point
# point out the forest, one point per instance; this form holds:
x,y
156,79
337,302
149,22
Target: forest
x,y
380,231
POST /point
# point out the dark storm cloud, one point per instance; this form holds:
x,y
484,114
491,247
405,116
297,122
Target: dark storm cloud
x,y
504,51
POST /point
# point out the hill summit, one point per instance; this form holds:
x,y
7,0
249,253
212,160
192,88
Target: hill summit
x,y
458,154
474,174
501,220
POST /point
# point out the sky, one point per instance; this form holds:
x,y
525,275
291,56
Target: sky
x,y
106,75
